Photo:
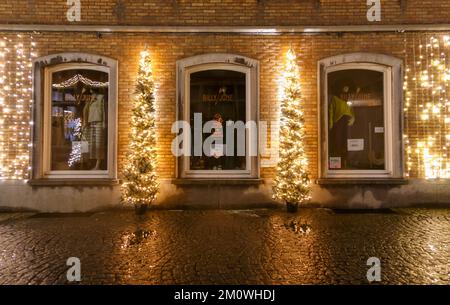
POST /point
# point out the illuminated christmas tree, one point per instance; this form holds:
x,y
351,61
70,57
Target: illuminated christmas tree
x,y
141,185
292,183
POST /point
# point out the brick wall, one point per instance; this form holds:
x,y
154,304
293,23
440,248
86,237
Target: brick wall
x,y
224,12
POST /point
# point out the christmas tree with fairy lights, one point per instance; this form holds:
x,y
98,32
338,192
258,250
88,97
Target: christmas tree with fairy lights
x,y
141,182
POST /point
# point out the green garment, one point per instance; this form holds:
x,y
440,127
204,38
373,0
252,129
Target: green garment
x,y
337,109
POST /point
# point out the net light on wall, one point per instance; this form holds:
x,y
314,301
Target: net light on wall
x,y
16,57
427,103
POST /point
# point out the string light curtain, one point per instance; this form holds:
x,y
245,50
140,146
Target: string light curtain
x,y
16,57
427,105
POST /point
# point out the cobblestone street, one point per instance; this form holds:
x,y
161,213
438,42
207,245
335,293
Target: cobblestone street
x,y
314,246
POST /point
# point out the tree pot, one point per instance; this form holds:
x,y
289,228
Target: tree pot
x,y
140,209
291,207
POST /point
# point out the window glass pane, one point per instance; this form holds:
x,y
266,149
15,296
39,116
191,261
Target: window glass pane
x,y
356,120
219,96
79,120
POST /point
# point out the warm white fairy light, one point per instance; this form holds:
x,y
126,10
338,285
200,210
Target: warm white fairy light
x,y
16,55
292,182
75,154
431,77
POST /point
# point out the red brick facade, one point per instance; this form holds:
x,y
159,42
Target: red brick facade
x,y
224,12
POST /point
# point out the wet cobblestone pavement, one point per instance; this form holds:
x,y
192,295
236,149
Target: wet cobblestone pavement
x,y
314,246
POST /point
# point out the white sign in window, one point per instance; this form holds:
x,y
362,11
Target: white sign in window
x,y
360,114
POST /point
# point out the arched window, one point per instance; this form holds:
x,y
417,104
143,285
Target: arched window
x,y
75,117
218,98
361,121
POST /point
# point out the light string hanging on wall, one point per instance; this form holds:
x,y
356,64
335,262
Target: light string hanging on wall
x,y
16,56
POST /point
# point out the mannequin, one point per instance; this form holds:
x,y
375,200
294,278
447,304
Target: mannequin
x,y
94,120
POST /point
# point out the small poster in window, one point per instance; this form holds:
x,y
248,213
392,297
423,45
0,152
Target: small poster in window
x,y
335,162
355,144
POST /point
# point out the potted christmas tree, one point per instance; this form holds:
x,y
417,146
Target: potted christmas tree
x,y
140,179
292,183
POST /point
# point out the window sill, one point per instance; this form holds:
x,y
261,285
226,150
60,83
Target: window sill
x,y
352,181
208,181
74,182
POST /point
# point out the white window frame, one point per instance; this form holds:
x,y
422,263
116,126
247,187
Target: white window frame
x,y
392,105
48,173
44,68
387,109
227,62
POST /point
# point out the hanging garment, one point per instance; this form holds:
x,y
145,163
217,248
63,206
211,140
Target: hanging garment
x,y
337,109
93,114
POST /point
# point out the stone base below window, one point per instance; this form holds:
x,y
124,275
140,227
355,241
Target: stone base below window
x,y
339,181
74,182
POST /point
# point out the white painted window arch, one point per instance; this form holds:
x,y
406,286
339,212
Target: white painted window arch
x,y
51,100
